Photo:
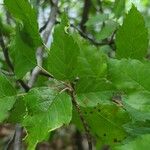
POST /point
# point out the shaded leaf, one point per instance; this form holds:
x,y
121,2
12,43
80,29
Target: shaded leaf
x,y
97,19
27,37
140,143
91,91
119,7
6,104
107,30
7,98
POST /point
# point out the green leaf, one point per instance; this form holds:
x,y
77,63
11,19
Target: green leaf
x,y
91,91
140,143
107,30
5,29
129,75
62,58
132,78
138,105
137,128
106,123
97,19
23,55
27,38
91,61
47,111
7,99
6,88
6,104
18,111
119,8
23,11
132,36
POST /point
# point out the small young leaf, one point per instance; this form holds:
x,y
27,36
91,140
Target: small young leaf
x,y
119,7
97,19
107,30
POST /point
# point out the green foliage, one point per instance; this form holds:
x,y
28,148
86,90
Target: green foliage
x,y
90,62
97,19
62,59
132,37
107,30
27,38
129,75
111,91
100,92
5,29
138,144
23,11
47,111
119,8
106,123
6,88
7,97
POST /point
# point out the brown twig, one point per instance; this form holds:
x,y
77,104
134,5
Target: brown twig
x,y
85,125
93,41
85,14
100,5
24,85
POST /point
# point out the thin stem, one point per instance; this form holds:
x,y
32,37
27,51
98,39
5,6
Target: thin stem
x,y
85,125
85,14
91,40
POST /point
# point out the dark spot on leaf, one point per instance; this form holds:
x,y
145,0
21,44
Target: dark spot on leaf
x,y
91,112
119,141
104,134
115,140
85,113
106,147
97,135
99,110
